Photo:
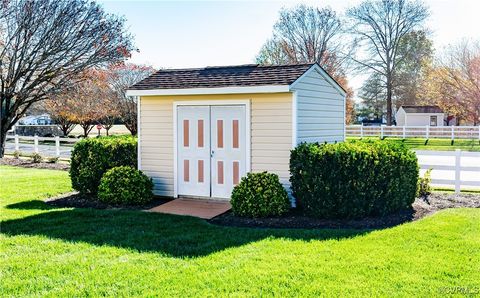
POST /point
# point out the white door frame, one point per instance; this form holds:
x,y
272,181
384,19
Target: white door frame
x,y
244,102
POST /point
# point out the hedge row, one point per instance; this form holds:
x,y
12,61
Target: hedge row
x,y
353,179
92,157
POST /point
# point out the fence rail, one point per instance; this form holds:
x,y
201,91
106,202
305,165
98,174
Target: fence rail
x,y
37,139
448,168
427,132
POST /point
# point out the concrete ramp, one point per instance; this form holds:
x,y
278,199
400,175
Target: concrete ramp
x,y
201,208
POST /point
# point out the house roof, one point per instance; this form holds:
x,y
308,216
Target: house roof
x,y
422,109
224,76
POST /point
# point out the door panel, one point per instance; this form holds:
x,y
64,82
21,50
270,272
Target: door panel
x,y
193,150
228,131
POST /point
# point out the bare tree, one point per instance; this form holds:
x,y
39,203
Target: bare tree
x,y
378,27
307,34
121,77
43,44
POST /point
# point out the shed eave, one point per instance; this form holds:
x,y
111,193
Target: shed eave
x,y
220,90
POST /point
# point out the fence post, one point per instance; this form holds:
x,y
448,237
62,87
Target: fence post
x,y
404,132
453,133
57,146
458,153
381,132
427,132
361,131
17,145
35,144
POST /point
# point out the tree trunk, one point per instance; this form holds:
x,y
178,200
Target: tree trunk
x,y
5,125
3,139
64,129
87,128
389,101
132,127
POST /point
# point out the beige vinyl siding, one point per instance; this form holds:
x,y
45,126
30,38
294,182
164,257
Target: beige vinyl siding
x,y
320,109
271,135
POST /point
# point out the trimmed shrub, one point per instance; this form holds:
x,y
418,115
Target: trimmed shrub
x,y
92,157
125,186
259,195
52,159
36,158
353,179
424,187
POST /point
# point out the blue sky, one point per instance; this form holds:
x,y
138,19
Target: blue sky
x,y
177,34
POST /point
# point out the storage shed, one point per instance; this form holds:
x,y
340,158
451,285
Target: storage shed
x,y
200,130
419,116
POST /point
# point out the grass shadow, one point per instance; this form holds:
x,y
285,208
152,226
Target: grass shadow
x,y
176,236
30,205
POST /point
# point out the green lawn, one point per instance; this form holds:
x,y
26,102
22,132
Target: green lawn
x,y
434,144
84,252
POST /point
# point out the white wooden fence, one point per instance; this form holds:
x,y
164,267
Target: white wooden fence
x,y
427,132
446,165
36,139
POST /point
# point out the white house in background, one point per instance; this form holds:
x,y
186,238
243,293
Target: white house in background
x,y
420,116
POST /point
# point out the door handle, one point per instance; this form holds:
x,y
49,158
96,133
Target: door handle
x,y
212,153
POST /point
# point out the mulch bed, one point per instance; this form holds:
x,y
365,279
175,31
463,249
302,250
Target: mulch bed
x,y
420,209
27,163
295,220
76,200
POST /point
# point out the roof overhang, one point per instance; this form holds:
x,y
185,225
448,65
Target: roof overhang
x,y
223,90
240,90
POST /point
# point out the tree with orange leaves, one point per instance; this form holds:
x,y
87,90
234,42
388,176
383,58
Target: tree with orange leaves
x,y
87,101
454,83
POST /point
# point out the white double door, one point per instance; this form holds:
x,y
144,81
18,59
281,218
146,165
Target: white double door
x,y
211,149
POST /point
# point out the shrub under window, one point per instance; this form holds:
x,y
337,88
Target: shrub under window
x,y
125,186
259,195
353,179
92,157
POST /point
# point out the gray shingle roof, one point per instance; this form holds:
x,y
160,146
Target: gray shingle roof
x,y
223,76
422,109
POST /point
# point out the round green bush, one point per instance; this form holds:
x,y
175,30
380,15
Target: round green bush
x,y
259,195
353,179
92,157
125,186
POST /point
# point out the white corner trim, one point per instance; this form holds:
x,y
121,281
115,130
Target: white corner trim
x,y
175,160
294,119
139,141
223,90
324,74
248,143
